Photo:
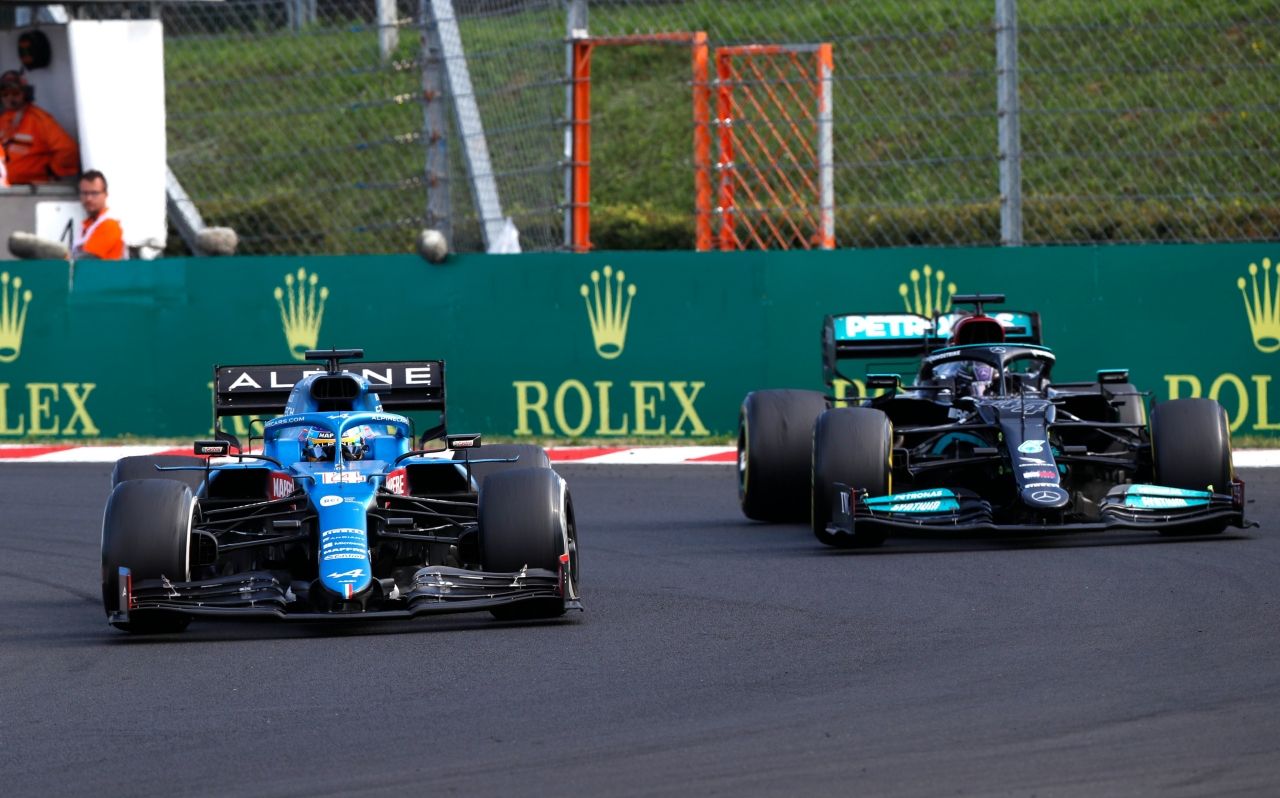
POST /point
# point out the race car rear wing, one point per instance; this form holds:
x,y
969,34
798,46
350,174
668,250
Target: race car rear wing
x,y
862,336
400,385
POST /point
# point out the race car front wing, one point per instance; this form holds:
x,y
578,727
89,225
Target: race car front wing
x,y
261,594
944,510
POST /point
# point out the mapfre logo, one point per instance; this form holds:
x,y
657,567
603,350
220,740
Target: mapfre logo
x,y
608,311
925,296
1262,306
13,316
398,482
301,302
281,485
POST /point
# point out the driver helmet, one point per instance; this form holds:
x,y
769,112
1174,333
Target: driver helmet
x,y
970,377
982,379
318,445
977,330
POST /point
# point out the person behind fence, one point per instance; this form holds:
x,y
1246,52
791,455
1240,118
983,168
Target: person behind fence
x,y
100,234
36,148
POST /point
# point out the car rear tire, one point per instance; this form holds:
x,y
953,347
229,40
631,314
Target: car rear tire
x,y
854,446
775,435
147,528
530,456
526,519
1191,449
144,467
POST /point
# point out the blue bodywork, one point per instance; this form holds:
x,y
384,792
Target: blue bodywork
x,y
340,491
372,525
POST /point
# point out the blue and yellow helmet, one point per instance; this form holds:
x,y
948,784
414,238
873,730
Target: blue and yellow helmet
x,y
318,445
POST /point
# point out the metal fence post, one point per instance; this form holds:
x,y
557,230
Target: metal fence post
x,y
575,27
1010,143
388,33
435,135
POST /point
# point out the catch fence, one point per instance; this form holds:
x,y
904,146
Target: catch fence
x,y
337,125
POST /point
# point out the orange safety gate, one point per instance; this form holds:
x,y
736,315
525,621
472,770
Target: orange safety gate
x,y
775,147
767,156
580,200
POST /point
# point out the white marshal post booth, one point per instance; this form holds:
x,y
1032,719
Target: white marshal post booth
x,y
104,83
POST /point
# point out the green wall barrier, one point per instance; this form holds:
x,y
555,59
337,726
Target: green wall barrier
x,y
633,344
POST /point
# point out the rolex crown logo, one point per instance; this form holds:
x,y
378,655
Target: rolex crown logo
x,y
607,311
1262,306
13,316
928,301
301,311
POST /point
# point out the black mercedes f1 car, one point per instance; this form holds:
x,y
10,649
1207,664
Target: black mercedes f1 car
x,y
980,441
342,513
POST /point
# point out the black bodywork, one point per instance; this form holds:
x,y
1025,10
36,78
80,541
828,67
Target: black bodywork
x,y
980,440
1032,456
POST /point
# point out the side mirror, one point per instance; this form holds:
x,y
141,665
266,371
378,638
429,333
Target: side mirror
x,y
885,382
212,448
470,441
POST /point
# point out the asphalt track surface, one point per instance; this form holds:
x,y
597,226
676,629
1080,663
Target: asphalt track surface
x,y
716,657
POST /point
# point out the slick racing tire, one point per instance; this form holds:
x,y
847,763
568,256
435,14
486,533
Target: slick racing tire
x,y
147,529
854,446
144,467
530,456
526,519
1191,447
775,434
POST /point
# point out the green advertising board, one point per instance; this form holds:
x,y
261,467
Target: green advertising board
x,y
619,344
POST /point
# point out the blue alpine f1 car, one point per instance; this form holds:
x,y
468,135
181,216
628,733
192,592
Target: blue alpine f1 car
x,y
345,513
981,441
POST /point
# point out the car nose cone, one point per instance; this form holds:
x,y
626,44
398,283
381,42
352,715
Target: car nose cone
x,y
1045,497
